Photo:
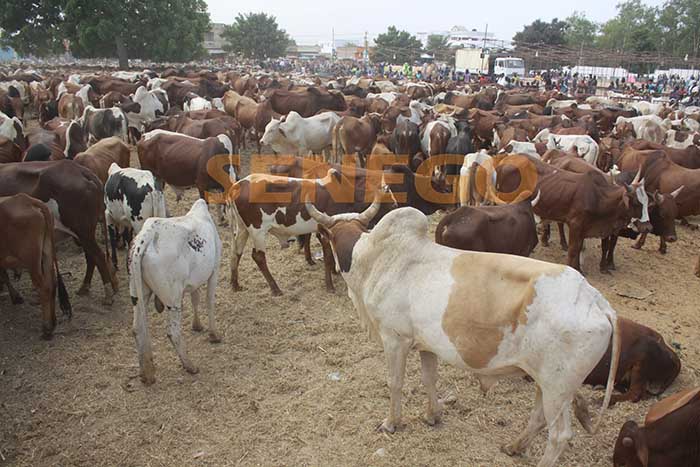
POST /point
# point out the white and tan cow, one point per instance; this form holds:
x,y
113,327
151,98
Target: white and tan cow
x,y
169,258
299,135
197,103
586,146
649,127
131,197
682,139
495,315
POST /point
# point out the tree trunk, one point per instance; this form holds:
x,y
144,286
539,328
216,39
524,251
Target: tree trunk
x,y
122,54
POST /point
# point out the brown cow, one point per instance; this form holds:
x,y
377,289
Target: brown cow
x,y
669,438
27,241
63,139
647,365
70,106
508,229
353,135
9,151
98,157
181,161
104,84
305,102
113,99
688,157
11,103
199,128
74,194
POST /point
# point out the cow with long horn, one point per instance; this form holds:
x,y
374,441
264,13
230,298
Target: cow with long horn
x,y
496,315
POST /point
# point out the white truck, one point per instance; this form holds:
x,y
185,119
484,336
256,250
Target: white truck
x,y
473,60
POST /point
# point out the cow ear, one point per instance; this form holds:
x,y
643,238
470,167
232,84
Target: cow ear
x,y
642,452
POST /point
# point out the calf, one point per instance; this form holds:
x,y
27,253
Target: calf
x,y
647,365
70,106
509,229
485,312
169,258
27,241
353,135
669,438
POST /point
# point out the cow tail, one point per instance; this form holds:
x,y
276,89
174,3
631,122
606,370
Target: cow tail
x,y
138,248
50,246
614,363
471,182
336,143
105,235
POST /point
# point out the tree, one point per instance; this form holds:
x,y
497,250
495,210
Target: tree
x,y
438,47
580,31
397,47
161,30
256,35
31,28
541,32
680,27
634,29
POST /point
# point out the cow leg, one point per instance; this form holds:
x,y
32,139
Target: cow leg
x,y
637,387
261,261
575,247
611,252
15,297
640,242
429,375
214,336
305,244
562,236
686,223
111,229
143,339
557,415
534,426
89,271
604,251
396,350
98,258
128,237
175,336
662,245
328,263
241,238
546,232
697,267
196,324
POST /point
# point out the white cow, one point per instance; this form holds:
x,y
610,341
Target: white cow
x,y
169,258
387,96
299,135
131,197
21,86
495,315
197,103
647,108
681,140
11,128
586,146
649,127
151,104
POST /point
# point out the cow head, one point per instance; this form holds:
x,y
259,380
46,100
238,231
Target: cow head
x,y
663,365
631,448
663,213
342,231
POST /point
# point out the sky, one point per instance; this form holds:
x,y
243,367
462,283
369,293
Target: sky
x,y
311,22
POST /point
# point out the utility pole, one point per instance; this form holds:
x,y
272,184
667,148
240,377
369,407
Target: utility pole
x,y
333,45
483,48
366,52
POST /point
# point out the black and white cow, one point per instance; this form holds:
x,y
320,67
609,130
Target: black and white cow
x,y
169,258
103,123
146,107
131,197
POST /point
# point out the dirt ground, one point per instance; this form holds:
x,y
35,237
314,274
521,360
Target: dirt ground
x,y
266,395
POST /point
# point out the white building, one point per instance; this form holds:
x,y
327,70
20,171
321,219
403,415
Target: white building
x,y
459,36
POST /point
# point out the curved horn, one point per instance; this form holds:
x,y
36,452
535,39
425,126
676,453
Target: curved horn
x,y
534,202
636,177
675,193
318,216
368,214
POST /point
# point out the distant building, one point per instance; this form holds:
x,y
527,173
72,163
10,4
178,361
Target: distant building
x,y
305,52
459,36
349,52
213,40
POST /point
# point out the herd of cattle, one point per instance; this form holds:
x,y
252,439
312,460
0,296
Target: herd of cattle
x,y
501,163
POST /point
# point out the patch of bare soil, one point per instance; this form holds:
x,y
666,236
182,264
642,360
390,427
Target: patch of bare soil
x,y
270,395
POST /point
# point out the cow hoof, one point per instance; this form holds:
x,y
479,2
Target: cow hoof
x,y
662,251
47,334
108,300
386,427
637,247
16,299
432,419
510,450
237,288
605,271
83,291
148,380
197,326
276,293
214,338
191,369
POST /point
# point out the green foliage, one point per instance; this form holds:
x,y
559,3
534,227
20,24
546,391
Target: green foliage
x,y
634,29
396,47
257,35
31,28
160,30
541,32
438,48
580,30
